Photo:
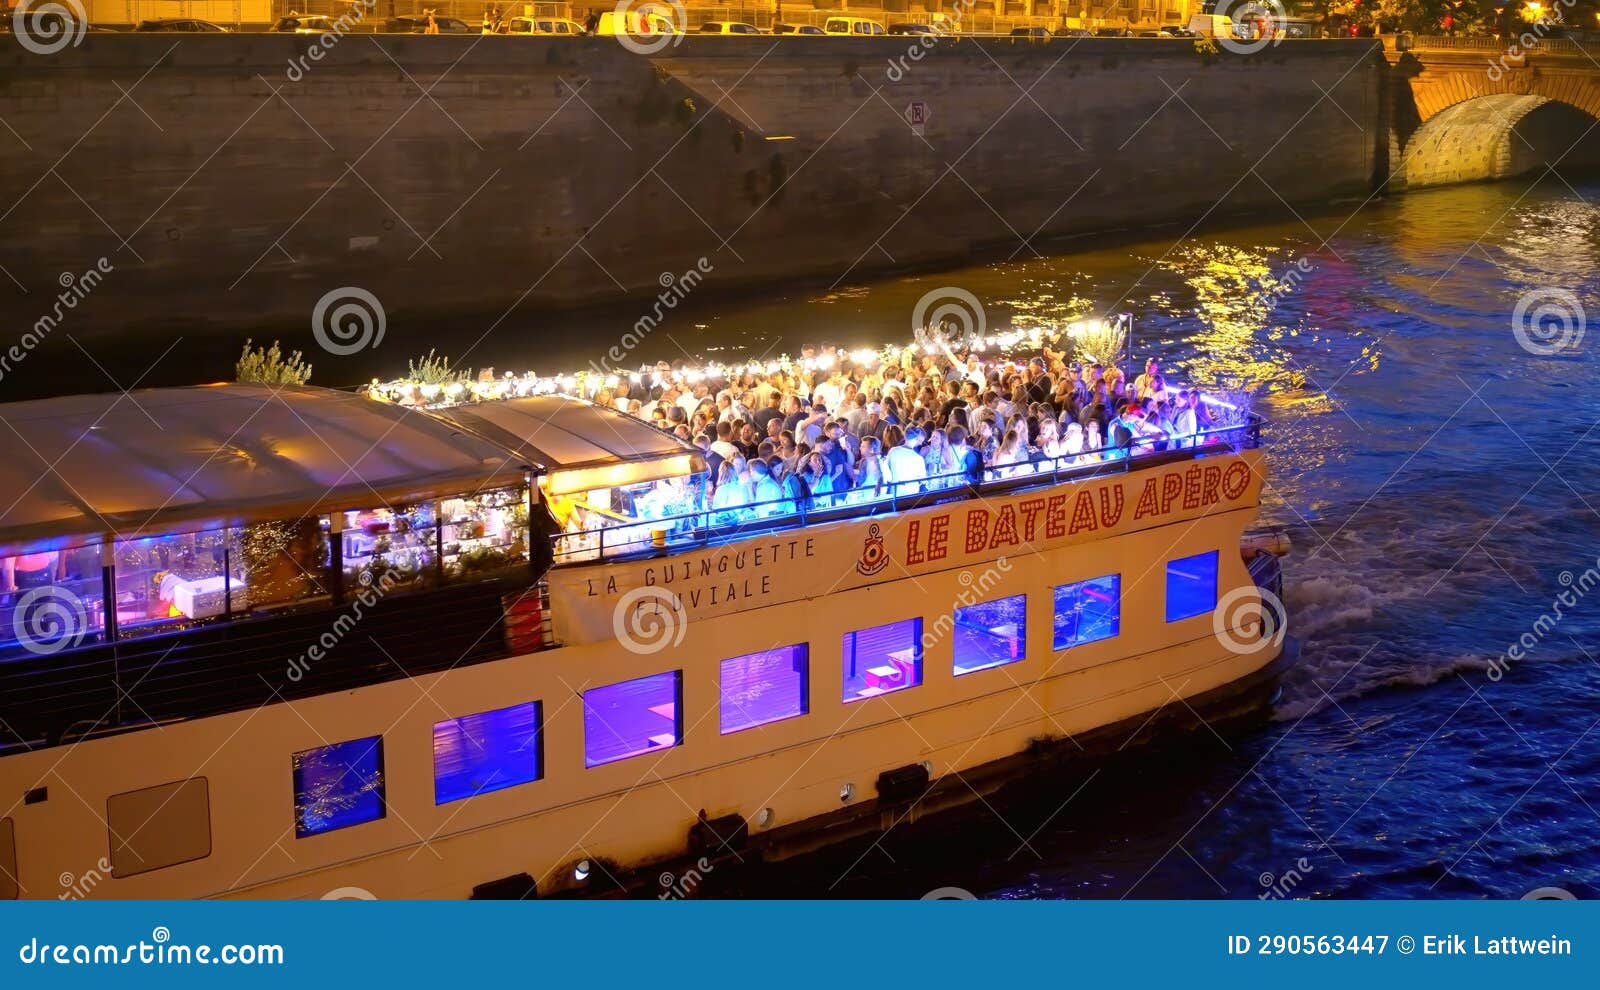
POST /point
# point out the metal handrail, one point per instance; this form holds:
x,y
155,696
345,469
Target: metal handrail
x,y
707,525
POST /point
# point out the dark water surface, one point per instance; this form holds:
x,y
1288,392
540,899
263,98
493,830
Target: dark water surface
x,y
1440,482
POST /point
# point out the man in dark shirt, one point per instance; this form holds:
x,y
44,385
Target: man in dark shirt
x,y
768,413
1040,387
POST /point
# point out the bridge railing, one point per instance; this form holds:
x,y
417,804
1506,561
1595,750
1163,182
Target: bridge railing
x,y
1532,45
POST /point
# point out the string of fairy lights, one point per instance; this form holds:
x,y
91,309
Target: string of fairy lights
x,y
1093,340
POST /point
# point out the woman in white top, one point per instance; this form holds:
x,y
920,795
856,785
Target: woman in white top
x,y
941,461
731,496
1072,446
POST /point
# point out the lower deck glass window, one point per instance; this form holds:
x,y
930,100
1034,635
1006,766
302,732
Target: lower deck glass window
x,y
990,634
882,659
489,751
632,718
338,786
1086,611
51,601
764,687
1191,586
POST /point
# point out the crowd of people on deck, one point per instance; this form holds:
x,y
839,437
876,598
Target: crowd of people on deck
x,y
831,431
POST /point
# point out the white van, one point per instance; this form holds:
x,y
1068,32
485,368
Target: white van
x,y
858,26
1211,26
635,22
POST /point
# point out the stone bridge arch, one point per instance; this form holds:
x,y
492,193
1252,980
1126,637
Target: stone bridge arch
x,y
1465,117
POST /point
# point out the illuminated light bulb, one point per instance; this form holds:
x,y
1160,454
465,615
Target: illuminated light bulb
x,y
580,872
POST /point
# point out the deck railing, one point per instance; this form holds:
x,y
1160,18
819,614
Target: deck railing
x,y
712,524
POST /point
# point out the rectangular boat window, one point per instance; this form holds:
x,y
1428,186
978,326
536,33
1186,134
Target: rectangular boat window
x,y
764,687
338,786
882,659
273,564
1087,610
157,827
490,751
172,582
399,543
1191,586
990,634
51,601
485,534
632,718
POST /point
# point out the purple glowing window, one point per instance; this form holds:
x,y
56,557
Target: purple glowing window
x,y
764,687
1086,611
882,659
990,634
489,751
632,718
338,786
1191,586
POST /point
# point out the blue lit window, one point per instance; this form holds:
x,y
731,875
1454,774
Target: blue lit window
x,y
882,659
1087,610
1191,586
632,718
489,751
764,687
990,634
338,786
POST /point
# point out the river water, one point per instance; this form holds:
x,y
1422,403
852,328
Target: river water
x,y
1442,486
1440,482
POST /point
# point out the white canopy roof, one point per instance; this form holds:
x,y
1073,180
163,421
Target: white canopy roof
x,y
581,445
83,468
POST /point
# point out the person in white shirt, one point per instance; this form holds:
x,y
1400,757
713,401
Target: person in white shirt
x,y
903,466
723,446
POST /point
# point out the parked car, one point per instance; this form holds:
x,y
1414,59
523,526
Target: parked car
x,y
191,24
728,27
1036,33
857,26
418,24
806,29
917,29
543,25
1074,33
1176,31
305,24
